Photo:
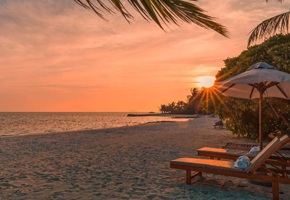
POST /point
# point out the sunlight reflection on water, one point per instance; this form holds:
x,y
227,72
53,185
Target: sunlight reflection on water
x,y
37,123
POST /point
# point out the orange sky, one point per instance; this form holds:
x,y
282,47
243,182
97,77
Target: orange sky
x,y
57,56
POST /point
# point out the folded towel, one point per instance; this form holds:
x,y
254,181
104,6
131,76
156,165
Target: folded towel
x,y
254,151
242,162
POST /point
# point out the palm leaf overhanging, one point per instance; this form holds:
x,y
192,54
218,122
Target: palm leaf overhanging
x,y
160,11
269,27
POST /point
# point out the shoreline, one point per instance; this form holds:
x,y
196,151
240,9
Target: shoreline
x,y
163,115
49,124
83,130
119,163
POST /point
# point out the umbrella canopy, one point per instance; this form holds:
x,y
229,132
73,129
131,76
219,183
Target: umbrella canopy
x,y
260,80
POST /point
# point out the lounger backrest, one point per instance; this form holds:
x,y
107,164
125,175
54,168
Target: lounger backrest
x,y
284,140
273,146
264,154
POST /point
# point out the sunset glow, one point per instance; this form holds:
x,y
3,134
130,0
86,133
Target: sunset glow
x,y
57,56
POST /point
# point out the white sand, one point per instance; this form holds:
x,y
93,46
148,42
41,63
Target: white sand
x,y
121,163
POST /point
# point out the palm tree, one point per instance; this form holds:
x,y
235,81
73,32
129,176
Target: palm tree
x,y
193,93
161,12
269,27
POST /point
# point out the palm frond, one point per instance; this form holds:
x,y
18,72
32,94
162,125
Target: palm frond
x,y
162,12
270,27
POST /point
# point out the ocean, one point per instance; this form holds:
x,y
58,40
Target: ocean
x,y
29,123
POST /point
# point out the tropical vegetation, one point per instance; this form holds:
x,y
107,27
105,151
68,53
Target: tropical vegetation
x,y
197,103
241,116
270,27
162,12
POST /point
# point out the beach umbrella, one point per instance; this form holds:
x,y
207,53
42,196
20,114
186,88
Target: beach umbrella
x,y
259,81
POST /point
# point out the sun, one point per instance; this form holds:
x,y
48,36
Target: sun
x,y
205,81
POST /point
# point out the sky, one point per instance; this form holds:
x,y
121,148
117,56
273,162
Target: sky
x,y
56,56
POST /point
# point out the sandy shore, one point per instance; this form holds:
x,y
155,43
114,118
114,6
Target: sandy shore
x,y
120,163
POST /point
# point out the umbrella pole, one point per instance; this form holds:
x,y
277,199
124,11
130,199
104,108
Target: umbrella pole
x,y
260,121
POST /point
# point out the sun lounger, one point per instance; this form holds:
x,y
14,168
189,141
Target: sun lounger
x,y
247,147
219,124
275,175
220,153
233,154
238,146
278,158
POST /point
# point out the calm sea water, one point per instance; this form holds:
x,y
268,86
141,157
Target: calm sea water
x,y
39,123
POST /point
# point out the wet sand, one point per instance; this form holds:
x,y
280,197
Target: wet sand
x,y
119,163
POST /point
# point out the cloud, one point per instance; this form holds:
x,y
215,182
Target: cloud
x,y
58,50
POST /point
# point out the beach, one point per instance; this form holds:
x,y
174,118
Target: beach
x,y
120,163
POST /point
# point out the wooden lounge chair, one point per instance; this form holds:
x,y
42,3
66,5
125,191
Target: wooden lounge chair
x,y
237,146
275,175
220,153
219,124
247,147
277,159
233,154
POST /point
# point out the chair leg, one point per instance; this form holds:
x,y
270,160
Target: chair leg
x,y
275,190
188,177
